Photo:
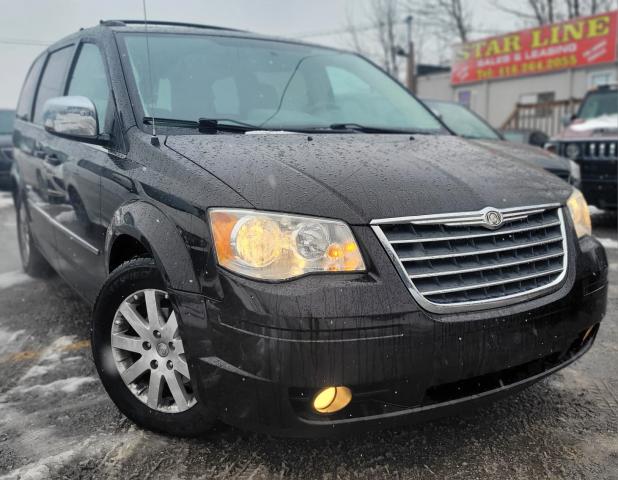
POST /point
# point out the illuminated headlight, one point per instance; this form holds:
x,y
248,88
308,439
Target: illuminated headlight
x,y
572,151
578,208
274,246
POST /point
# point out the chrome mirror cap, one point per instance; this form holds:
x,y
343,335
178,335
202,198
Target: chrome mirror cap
x,y
71,116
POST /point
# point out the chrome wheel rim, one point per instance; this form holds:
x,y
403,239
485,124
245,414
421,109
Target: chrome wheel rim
x,y
24,235
149,353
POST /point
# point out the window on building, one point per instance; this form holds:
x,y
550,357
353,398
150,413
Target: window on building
x,y
540,102
605,77
464,97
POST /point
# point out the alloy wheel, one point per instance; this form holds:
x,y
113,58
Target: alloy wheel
x,y
149,353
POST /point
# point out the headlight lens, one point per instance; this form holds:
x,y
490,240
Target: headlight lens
x,y
578,207
572,151
273,246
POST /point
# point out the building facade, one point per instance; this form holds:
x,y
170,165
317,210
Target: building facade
x,y
558,73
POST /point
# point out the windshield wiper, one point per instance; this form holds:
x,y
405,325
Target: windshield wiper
x,y
357,127
205,125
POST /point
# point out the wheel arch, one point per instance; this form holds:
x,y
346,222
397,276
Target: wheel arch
x,y
141,228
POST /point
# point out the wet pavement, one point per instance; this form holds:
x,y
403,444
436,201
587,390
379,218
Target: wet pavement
x,y
57,422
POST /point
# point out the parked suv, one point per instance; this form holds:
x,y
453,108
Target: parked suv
x,y
467,124
280,236
591,140
6,147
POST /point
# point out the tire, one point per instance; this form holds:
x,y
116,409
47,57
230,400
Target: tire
x,y
33,262
155,349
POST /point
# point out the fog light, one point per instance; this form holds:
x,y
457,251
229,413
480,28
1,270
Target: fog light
x,y
332,399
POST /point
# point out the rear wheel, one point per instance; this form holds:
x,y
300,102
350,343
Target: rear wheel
x,y
140,355
32,260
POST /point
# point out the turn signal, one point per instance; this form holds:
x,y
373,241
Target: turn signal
x,y
578,208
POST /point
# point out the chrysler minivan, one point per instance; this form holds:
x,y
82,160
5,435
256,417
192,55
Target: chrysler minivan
x,y
280,236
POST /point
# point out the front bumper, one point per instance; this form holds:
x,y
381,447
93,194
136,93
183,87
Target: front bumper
x,y
261,351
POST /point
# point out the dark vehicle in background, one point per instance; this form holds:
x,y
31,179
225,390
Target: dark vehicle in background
x,y
280,236
536,138
6,147
591,140
467,124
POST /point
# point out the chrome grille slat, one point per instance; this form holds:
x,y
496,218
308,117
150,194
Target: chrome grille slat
x,y
492,284
439,273
454,262
476,235
481,252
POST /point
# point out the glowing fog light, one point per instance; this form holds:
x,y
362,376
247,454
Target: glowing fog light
x,y
332,399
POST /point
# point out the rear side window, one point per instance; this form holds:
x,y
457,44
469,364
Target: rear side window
x,y
24,106
89,79
52,80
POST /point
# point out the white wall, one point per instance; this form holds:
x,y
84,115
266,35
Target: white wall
x,y
496,100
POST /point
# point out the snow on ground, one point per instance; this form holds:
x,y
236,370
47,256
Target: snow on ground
x,y
10,279
66,385
6,200
608,242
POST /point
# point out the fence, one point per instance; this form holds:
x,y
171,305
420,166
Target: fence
x,y
547,116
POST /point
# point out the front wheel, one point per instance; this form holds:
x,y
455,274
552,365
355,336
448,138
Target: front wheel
x,y
140,355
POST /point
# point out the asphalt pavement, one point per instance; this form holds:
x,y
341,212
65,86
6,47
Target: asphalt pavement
x,y
57,422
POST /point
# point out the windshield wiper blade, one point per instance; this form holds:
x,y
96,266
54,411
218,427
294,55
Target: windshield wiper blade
x,y
368,129
205,125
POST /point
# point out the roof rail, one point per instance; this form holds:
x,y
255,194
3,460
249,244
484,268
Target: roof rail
x,y
121,23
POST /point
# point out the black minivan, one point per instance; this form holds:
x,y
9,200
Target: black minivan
x,y
280,236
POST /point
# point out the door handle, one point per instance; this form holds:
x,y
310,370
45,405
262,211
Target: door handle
x,y
52,159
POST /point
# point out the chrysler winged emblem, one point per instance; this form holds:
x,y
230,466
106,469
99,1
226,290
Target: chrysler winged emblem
x,y
493,219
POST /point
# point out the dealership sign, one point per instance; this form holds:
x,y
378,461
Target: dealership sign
x,y
576,43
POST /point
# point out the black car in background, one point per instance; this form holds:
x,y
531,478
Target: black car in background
x,y
526,136
279,235
467,124
6,147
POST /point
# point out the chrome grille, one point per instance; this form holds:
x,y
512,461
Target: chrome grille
x,y
455,261
592,149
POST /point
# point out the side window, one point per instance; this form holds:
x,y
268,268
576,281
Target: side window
x,y
52,80
89,79
24,106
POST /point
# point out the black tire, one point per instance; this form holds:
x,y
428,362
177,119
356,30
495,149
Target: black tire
x,y
33,262
133,276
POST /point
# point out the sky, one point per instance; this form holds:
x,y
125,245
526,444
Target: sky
x,y
26,26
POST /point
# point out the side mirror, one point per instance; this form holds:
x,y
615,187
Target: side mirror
x,y
538,139
73,117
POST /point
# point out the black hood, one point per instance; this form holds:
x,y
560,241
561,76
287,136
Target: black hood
x,y
527,153
359,177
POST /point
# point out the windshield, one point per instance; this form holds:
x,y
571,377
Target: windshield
x,y
599,104
274,85
462,121
6,121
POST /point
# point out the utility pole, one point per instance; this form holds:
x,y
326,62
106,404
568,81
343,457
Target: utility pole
x,y
411,67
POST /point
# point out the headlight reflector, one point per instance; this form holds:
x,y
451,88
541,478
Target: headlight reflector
x,y
572,151
578,208
274,246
